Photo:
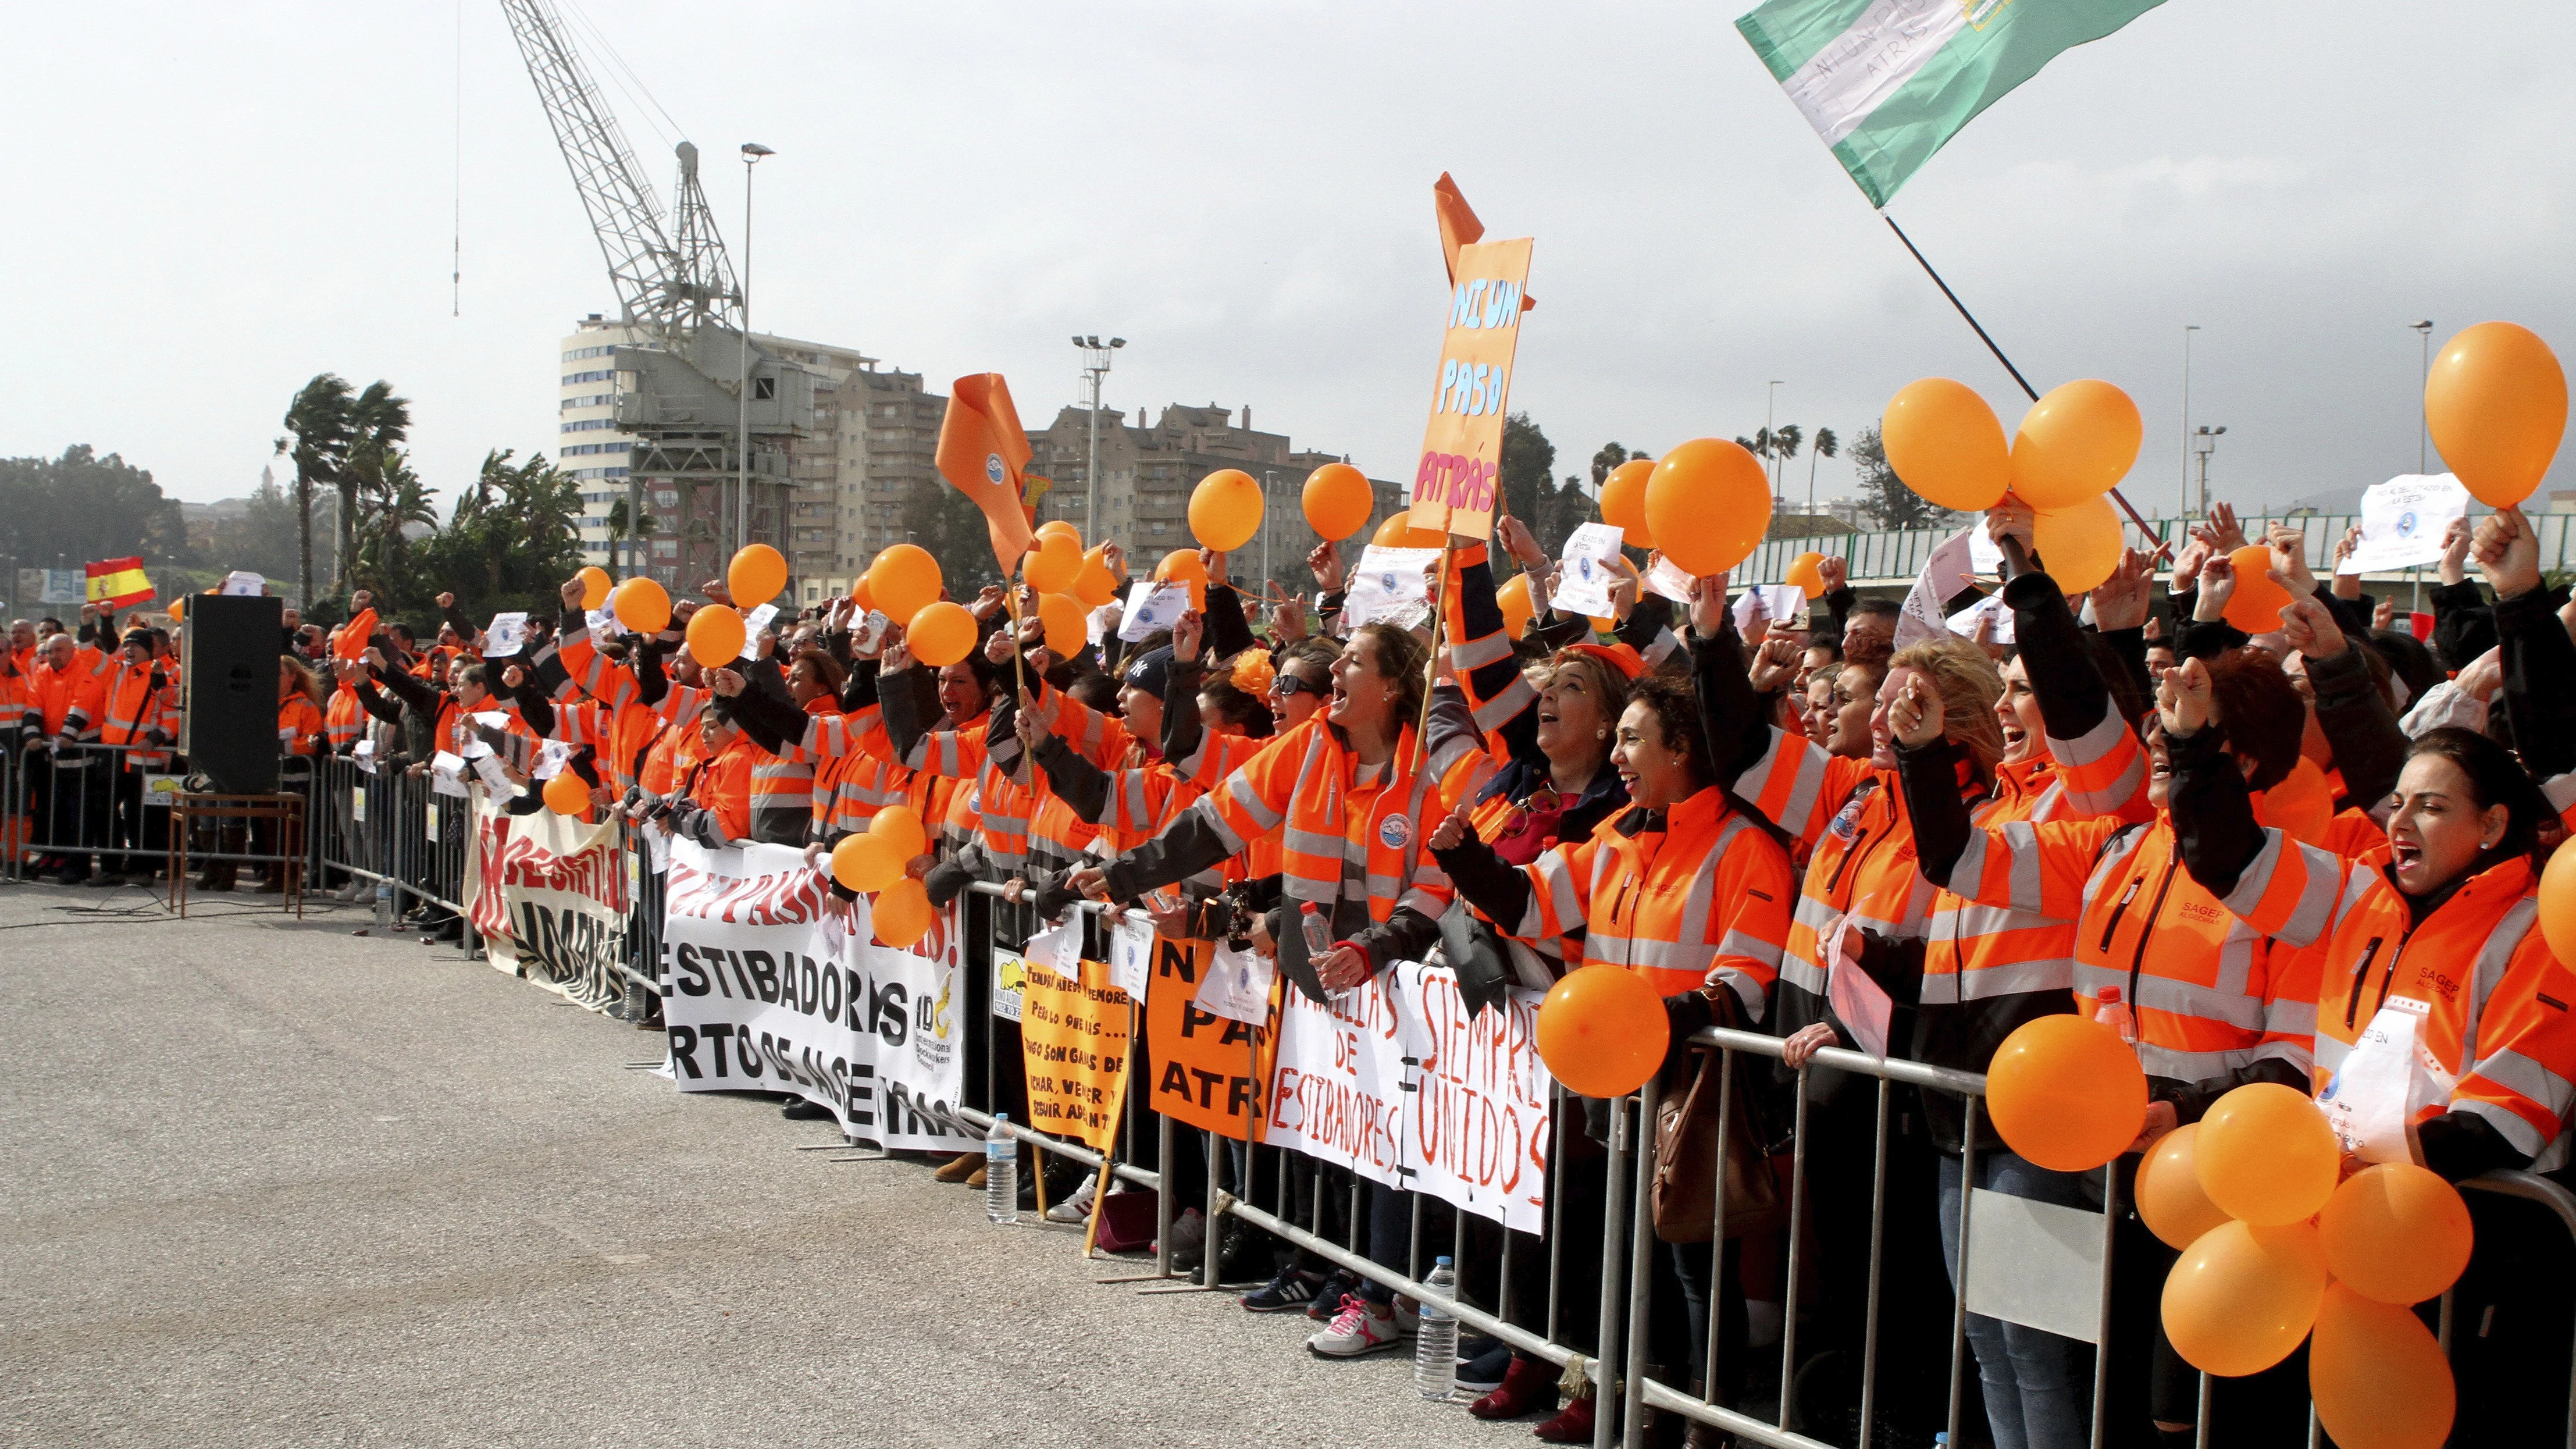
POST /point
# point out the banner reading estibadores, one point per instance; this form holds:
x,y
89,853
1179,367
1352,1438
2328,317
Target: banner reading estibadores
x,y
1459,475
769,989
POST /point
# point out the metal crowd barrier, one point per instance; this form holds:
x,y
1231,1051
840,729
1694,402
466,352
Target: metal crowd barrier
x,y
78,807
394,837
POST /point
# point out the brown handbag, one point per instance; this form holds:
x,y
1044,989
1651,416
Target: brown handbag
x,y
1689,1141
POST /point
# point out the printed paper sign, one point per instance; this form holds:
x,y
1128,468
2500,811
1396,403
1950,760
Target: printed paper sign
x,y
1060,948
1131,954
1073,1051
1987,621
1666,577
1771,603
1010,978
1390,584
242,582
1152,608
1456,480
604,624
2402,522
1591,562
752,623
1950,569
507,636
1237,985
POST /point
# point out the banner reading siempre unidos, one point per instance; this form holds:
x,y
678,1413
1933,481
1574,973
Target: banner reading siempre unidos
x,y
1459,474
770,990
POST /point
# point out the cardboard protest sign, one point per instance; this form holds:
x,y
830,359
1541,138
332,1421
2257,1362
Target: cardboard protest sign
x,y
1207,1071
1073,1048
1458,479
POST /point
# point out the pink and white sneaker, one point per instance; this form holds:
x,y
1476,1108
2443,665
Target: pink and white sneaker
x,y
1361,1328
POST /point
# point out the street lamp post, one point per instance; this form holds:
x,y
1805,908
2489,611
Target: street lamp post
x,y
1269,485
752,151
2203,443
2184,501
1095,364
2423,426
1770,400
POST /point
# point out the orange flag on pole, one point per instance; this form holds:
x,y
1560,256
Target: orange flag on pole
x,y
1458,227
982,449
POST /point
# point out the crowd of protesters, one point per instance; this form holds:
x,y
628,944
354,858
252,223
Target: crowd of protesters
x,y
1991,832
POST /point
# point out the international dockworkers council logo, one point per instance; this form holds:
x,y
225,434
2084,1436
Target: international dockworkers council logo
x,y
994,472
2406,524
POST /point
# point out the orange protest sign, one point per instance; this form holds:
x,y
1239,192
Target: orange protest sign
x,y
1457,479
982,450
1073,1046
1207,1071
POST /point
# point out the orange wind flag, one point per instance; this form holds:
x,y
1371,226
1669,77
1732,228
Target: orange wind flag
x,y
982,449
1459,227
353,636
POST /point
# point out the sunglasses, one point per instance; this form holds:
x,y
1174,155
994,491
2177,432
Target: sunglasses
x,y
1284,685
1542,801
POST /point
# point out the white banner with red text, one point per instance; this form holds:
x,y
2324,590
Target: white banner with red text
x,y
1397,1081
769,985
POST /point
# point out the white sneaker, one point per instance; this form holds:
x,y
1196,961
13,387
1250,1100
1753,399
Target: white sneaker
x,y
1362,1327
1076,1207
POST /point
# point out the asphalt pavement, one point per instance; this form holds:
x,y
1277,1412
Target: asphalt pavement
x,y
268,1183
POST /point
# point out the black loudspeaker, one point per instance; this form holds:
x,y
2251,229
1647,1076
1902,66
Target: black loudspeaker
x,y
228,683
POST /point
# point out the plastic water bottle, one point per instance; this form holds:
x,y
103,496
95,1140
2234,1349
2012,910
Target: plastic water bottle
x,y
1319,932
1001,1172
2115,1014
1435,1341
384,903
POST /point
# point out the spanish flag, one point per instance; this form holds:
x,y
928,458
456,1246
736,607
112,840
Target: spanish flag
x,y
119,583
982,450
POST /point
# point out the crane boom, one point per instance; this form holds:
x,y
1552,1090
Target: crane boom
x,y
666,292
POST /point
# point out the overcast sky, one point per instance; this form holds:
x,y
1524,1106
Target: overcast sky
x,y
210,204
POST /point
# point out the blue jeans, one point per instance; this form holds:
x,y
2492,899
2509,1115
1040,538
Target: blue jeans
x,y
2038,1394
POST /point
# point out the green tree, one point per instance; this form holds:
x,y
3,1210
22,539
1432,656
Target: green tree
x,y
1826,445
620,531
319,432
393,503
379,423
261,539
67,511
942,520
512,539
1888,499
1528,466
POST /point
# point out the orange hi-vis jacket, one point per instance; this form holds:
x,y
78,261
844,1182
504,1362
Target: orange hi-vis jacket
x,y
722,786
672,755
15,696
344,718
854,752
1674,895
617,738
782,790
2497,1017
68,701
300,730
134,707
2212,998
1351,839
1843,813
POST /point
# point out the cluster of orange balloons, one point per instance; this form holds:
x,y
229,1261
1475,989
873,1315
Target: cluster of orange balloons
x,y
1602,1031
2274,1249
873,863
2074,445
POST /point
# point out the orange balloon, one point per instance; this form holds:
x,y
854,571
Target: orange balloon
x,y
1708,503
1182,565
2496,402
941,634
1095,585
2242,1296
2396,1233
2076,442
1068,630
2256,605
641,605
178,610
1338,501
1514,596
1623,502
902,825
2558,904
867,863
860,595
1225,510
1398,532
2079,545
1063,526
2266,1155
1602,1031
2301,806
594,586
1052,567
901,913
2168,1193
904,580
2378,1375
755,576
2066,1093
1945,444
1802,571
716,636
565,794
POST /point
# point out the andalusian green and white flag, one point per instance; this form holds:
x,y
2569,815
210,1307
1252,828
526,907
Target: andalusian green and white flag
x,y
1889,82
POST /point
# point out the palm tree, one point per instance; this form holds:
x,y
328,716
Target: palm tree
x,y
619,532
1825,446
320,431
394,501
379,423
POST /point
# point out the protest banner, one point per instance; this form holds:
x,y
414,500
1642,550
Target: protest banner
x,y
2403,520
1207,1071
771,989
1338,1087
1458,479
486,908
563,892
1073,1047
